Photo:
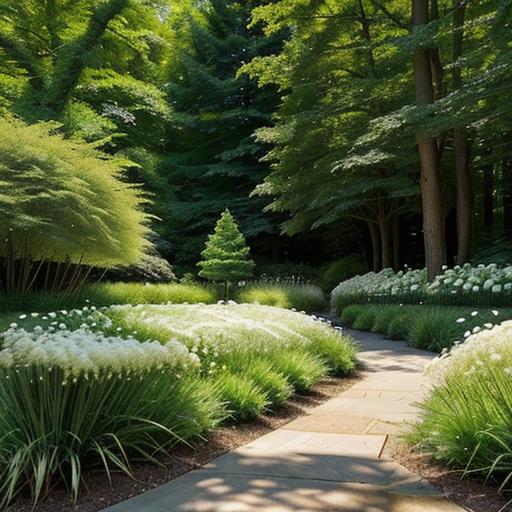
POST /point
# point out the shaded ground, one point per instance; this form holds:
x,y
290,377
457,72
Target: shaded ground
x,y
469,493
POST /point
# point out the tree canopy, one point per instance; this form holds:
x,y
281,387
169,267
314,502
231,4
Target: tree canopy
x,y
377,127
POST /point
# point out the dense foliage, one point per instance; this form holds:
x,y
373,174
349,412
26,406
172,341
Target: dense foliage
x,y
56,197
466,420
298,115
110,386
226,255
466,284
433,328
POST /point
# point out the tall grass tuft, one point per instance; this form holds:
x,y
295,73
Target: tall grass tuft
x,y
305,297
52,425
466,420
434,328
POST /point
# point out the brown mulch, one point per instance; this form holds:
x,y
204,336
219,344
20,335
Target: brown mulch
x,y
468,493
100,494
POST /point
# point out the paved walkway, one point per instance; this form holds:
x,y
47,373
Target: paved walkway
x,y
330,460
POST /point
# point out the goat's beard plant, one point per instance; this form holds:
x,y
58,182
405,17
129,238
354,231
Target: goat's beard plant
x,y
73,398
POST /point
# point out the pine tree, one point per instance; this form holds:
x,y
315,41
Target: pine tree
x,y
226,255
213,159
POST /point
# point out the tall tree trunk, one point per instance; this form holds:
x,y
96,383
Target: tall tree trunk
x,y
464,193
430,179
488,196
463,182
507,198
396,241
374,237
385,242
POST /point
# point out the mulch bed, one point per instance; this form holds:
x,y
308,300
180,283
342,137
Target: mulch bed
x,y
100,494
468,493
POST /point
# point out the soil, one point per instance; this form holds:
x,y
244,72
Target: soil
x,y
468,493
100,494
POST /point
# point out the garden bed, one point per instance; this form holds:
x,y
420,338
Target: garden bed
x,y
100,494
106,388
427,327
469,493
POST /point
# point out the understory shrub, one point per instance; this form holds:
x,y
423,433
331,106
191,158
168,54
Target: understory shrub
x,y
480,285
365,319
306,297
341,270
434,328
350,313
69,398
398,327
467,417
422,326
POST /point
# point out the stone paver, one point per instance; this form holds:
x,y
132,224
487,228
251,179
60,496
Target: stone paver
x,y
329,460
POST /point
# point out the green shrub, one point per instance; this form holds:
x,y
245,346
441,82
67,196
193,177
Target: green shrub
x,y
434,329
383,316
398,327
304,297
244,399
342,269
365,319
350,313
57,197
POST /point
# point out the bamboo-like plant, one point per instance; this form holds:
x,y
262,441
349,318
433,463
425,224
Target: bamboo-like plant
x,y
63,201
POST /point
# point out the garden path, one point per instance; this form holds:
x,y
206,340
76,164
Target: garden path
x,y
330,460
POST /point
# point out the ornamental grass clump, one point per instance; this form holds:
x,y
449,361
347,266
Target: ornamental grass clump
x,y
300,296
468,416
278,351
69,399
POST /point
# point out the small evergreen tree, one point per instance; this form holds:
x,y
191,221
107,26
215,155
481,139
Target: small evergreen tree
x,y
226,255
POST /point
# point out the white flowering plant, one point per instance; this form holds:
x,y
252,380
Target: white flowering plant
x,y
467,417
67,397
215,332
462,284
104,384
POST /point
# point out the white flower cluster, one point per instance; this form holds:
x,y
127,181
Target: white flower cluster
x,y
218,329
473,279
385,282
486,351
459,279
82,352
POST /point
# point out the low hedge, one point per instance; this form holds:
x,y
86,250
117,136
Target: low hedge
x,y
427,327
